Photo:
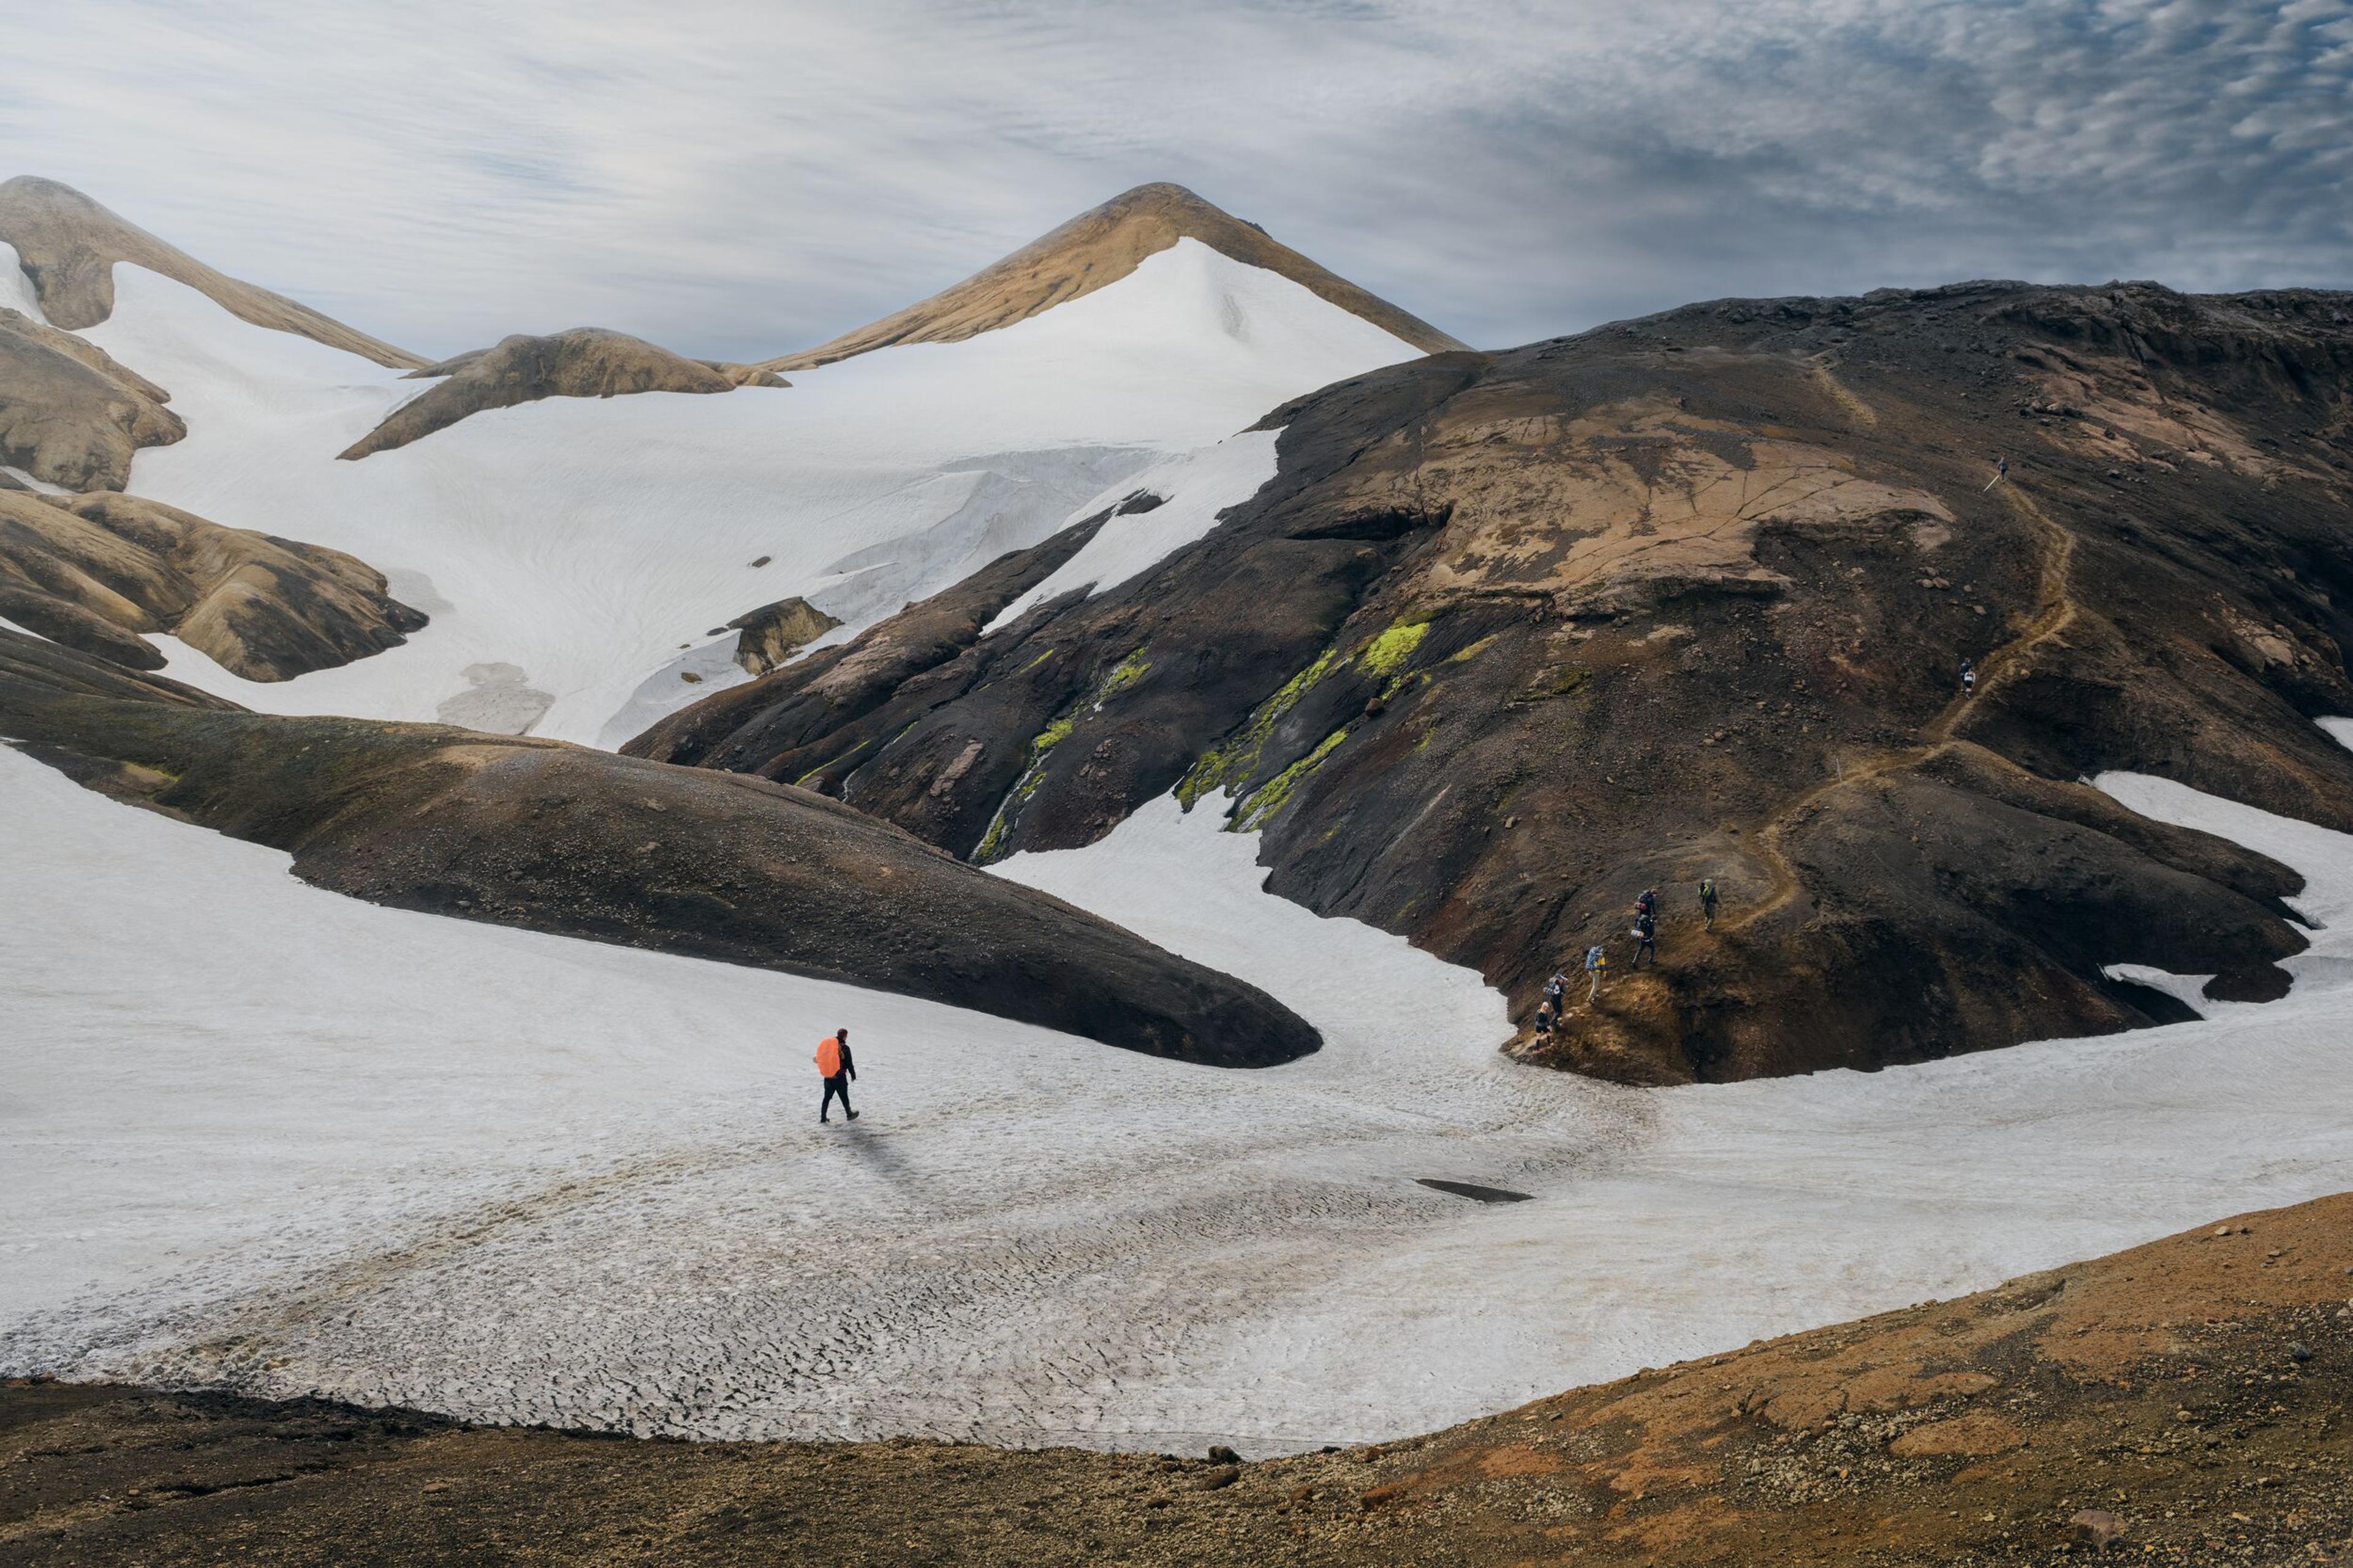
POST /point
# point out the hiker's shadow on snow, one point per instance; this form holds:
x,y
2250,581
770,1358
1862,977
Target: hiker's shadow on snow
x,y
874,1150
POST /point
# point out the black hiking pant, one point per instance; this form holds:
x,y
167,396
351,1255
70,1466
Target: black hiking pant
x,y
837,1085
1645,945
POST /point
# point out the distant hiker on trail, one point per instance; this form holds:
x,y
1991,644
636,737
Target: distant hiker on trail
x,y
1597,965
1707,901
833,1065
2000,472
1556,993
1646,940
1545,1018
1968,678
1648,904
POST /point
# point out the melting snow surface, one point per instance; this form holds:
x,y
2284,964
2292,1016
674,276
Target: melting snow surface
x,y
253,1133
592,544
1194,487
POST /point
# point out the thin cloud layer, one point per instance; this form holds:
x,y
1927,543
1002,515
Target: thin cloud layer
x,y
745,178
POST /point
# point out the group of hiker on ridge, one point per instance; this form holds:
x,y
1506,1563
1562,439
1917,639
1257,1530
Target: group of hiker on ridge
x,y
835,1066
1645,932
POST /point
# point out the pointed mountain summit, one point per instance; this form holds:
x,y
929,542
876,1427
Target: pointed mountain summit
x,y
1100,246
68,246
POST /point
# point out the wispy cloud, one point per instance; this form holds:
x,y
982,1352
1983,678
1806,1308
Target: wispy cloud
x,y
741,178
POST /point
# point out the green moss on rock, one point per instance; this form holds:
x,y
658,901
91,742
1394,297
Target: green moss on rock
x,y
1271,796
1387,652
1237,758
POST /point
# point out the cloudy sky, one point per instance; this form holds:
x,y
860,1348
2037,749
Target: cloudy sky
x,y
744,178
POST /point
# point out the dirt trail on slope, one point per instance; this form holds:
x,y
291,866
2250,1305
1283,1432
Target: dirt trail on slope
x,y
2185,1398
2055,612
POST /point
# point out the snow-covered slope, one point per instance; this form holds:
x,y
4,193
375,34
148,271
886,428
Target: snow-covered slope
x,y
583,550
258,1134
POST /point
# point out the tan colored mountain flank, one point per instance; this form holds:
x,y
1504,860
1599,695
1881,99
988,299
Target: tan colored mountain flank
x,y
96,572
1101,246
585,362
68,246
70,414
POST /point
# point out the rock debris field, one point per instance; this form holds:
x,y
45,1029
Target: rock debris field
x,y
260,1137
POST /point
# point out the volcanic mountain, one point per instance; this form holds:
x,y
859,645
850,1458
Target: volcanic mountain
x,y
1504,639
1098,248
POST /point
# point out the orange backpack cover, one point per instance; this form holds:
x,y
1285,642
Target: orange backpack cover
x,y
828,1057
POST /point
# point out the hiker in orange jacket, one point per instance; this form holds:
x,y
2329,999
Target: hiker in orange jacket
x,y
833,1064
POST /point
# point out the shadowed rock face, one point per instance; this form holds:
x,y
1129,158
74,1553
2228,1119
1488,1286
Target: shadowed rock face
x,y
587,362
69,414
68,245
1099,246
772,634
95,571
1511,637
559,838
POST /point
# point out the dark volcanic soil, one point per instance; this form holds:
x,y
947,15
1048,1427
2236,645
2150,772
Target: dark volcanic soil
x,y
2191,1395
561,838
1511,636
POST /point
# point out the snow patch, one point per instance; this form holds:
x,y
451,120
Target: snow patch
x,y
517,1178
1194,489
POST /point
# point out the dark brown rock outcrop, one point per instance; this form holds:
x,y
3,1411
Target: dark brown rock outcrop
x,y
93,572
68,245
69,414
1099,246
767,637
585,362
560,839
1511,637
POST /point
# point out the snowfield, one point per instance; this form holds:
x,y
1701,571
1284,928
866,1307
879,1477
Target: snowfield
x,y
262,1136
576,553
256,1135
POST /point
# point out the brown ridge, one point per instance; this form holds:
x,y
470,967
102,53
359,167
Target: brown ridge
x,y
1101,246
68,246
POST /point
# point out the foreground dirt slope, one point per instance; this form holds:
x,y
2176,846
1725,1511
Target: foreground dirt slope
x,y
1511,636
1099,246
2191,1396
561,838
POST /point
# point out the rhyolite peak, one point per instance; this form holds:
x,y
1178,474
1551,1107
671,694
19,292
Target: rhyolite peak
x,y
1098,248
